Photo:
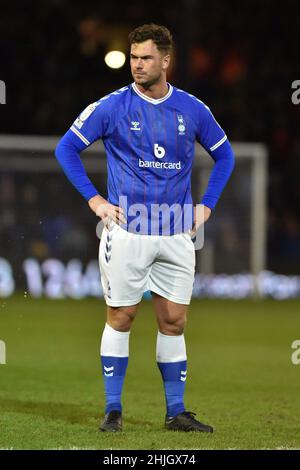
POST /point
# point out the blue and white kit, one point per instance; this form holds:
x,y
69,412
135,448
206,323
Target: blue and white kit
x,y
149,145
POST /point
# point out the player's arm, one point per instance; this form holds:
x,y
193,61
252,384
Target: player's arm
x,y
106,211
201,215
88,127
214,140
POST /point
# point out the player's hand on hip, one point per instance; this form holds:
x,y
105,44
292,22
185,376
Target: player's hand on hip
x,y
201,215
106,211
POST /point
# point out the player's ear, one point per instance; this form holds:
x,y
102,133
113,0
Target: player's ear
x,y
166,61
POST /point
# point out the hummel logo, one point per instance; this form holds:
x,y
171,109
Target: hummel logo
x,y
183,375
107,370
108,290
108,248
135,126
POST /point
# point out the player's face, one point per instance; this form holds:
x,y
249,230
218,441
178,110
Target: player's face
x,y
148,64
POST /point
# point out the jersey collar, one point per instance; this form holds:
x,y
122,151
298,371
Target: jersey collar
x,y
152,100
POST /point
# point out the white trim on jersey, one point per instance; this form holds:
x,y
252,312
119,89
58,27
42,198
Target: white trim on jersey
x,y
81,137
214,147
152,100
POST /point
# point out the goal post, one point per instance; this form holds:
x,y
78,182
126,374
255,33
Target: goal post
x,y
235,236
244,202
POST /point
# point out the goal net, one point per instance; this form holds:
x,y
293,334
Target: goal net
x,y
45,224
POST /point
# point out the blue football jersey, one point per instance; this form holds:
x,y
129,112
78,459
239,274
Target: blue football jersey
x,y
150,149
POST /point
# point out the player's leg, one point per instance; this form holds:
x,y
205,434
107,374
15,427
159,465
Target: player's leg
x,y
171,351
171,281
172,362
114,359
125,262
121,318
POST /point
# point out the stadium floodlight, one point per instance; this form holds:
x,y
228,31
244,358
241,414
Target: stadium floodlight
x,y
115,59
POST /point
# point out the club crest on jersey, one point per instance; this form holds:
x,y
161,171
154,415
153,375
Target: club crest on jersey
x,y
181,124
135,126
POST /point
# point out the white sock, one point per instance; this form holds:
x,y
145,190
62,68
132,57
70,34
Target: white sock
x,y
171,360
114,359
170,348
114,343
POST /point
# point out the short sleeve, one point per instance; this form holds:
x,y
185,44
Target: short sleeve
x,y
209,133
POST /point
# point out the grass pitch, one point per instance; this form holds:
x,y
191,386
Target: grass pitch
x,y
240,377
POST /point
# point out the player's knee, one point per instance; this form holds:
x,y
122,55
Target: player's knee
x,y
174,327
121,318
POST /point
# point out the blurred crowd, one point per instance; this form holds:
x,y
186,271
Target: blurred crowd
x,y
241,59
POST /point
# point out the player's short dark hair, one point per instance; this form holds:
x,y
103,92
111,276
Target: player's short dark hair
x,y
160,35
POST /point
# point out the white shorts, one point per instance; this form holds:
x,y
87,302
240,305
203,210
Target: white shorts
x,y
131,264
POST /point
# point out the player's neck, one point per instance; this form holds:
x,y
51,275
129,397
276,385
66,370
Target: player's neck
x,y
155,91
